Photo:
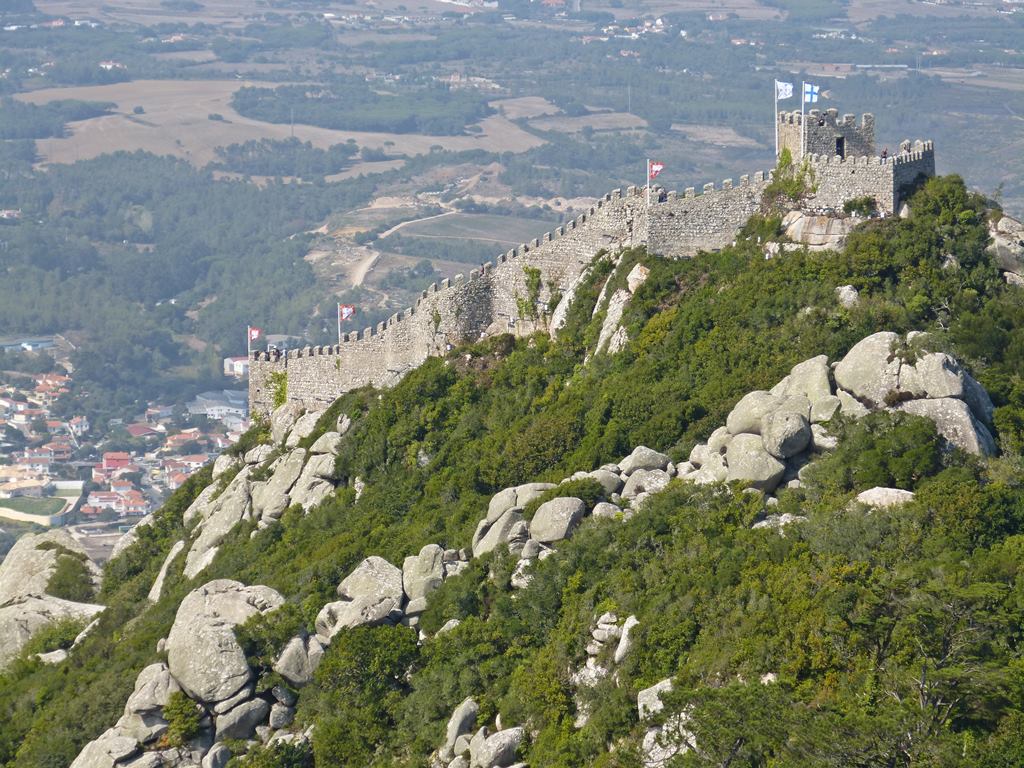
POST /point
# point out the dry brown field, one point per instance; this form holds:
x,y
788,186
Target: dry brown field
x,y
602,121
176,123
525,106
716,135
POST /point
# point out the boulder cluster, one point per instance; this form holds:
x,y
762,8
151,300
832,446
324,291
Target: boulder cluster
x,y
205,662
268,480
465,747
770,436
610,642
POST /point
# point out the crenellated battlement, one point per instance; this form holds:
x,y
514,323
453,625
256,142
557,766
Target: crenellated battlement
x,y
490,298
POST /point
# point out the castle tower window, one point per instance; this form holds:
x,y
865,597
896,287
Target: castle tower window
x,y
841,146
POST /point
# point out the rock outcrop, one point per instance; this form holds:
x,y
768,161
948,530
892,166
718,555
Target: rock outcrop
x,y
25,605
202,652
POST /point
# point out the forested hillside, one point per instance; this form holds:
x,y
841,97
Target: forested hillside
x,y
883,637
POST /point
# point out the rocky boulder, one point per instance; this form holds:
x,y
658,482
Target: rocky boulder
x,y
955,422
461,722
557,519
870,371
303,428
643,457
785,434
270,497
745,418
750,463
30,564
497,750
241,721
372,594
282,419
818,233
884,497
488,537
423,573
108,750
203,654
1008,245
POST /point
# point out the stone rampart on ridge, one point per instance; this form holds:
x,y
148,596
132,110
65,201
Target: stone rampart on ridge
x,y
490,300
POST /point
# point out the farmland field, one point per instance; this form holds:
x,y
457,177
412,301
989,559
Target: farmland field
x,y
501,230
176,121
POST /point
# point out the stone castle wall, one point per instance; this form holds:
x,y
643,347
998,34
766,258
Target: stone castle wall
x,y
823,128
886,179
489,300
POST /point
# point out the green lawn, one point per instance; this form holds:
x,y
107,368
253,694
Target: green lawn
x,y
44,506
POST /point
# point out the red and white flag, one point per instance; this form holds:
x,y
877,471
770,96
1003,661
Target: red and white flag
x,y
654,168
255,334
345,312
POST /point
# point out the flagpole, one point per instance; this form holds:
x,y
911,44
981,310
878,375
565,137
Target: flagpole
x,y
248,340
337,310
775,116
648,182
803,122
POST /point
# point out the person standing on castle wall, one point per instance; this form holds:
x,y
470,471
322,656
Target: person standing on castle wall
x,y
885,153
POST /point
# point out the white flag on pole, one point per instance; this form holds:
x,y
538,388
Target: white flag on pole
x,y
783,90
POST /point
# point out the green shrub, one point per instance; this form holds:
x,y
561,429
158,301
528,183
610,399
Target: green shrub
x,y
184,719
278,389
861,206
71,579
59,635
585,488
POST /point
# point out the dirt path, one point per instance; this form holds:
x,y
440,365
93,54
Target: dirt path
x,y
362,269
397,227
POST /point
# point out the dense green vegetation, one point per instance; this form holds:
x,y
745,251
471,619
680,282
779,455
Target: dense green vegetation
x,y
287,157
894,635
19,120
356,105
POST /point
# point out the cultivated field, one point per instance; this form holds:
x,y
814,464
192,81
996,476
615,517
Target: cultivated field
x,y
501,230
601,121
525,106
176,122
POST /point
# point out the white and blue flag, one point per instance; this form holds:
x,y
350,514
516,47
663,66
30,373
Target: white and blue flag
x,y
811,93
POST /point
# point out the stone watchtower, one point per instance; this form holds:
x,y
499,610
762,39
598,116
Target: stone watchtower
x,y
826,134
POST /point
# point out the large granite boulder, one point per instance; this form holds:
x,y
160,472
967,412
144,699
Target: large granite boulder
x,y
785,434
557,519
158,583
955,422
461,722
884,497
241,721
30,563
303,428
107,751
423,573
517,496
488,537
202,652
143,713
643,457
329,443
745,418
750,463
870,371
372,594
295,663
1008,245
497,750
282,419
